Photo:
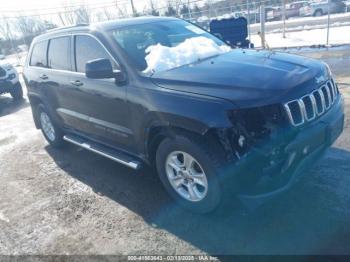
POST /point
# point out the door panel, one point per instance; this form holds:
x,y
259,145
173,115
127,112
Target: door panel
x,y
102,101
56,81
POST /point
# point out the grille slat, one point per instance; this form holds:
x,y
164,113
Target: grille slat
x,y
295,113
309,107
326,96
312,105
319,103
331,91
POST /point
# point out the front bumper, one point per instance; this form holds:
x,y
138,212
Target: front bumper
x,y
307,146
5,86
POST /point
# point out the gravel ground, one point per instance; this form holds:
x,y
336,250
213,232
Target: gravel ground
x,y
75,202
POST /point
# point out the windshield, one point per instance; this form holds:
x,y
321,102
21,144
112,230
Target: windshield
x,y
135,40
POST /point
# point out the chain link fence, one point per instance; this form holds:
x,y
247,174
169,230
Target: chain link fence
x,y
287,24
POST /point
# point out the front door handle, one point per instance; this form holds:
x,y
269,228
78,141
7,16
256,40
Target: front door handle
x,y
44,77
76,83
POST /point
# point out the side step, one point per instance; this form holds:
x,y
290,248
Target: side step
x,y
103,151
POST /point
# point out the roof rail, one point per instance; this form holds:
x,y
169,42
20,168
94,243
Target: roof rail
x,y
66,27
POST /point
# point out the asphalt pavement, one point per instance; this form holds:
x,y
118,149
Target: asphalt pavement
x,y
75,202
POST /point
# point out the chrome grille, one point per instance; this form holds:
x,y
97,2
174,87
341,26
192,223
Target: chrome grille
x,y
312,105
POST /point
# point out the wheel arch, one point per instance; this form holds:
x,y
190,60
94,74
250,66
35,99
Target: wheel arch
x,y
318,10
35,101
158,133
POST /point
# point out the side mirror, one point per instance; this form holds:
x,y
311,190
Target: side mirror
x,y
99,69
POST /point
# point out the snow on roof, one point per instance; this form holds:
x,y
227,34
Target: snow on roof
x,y
162,58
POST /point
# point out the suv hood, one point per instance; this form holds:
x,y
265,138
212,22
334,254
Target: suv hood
x,y
247,78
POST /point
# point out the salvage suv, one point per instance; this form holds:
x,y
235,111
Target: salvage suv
x,y
9,81
240,123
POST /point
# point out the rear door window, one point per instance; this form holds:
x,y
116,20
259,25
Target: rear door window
x,y
86,49
39,52
59,53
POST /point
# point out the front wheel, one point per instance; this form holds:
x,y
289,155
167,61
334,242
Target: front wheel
x,y
318,13
189,174
17,92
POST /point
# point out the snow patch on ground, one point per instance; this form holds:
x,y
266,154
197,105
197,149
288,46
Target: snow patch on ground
x,y
162,58
310,27
337,35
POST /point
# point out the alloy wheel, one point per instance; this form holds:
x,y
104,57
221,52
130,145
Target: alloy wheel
x,y
186,176
47,126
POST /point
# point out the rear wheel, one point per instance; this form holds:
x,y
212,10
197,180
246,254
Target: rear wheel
x,y
50,130
189,174
318,13
17,92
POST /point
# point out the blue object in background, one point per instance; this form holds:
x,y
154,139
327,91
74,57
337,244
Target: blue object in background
x,y
234,31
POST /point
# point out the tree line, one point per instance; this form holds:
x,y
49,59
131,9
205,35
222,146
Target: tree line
x,y
18,32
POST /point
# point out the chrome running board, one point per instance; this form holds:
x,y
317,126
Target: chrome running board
x,y
103,151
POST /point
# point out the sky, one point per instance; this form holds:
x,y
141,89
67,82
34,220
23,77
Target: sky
x,y
16,7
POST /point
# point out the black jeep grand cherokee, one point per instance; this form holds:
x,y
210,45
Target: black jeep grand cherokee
x,y
247,122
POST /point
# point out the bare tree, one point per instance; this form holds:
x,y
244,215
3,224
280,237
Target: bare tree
x,y
122,11
82,15
154,10
107,14
5,28
67,16
29,26
6,32
177,4
170,11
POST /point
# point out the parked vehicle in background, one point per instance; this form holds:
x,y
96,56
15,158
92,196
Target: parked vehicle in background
x,y
321,8
9,81
232,122
292,10
269,13
347,4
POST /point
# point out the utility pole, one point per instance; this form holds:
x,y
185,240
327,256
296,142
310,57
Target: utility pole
x,y
133,7
189,10
262,25
328,21
210,8
248,19
284,18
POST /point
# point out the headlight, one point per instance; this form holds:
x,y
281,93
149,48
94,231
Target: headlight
x,y
255,120
253,126
12,76
8,67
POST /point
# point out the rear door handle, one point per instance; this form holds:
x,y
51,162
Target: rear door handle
x,y
76,83
44,77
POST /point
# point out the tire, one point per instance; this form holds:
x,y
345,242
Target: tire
x,y
318,13
52,133
205,199
17,92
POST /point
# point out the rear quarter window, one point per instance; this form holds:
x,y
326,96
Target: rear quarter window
x,y
38,57
59,53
